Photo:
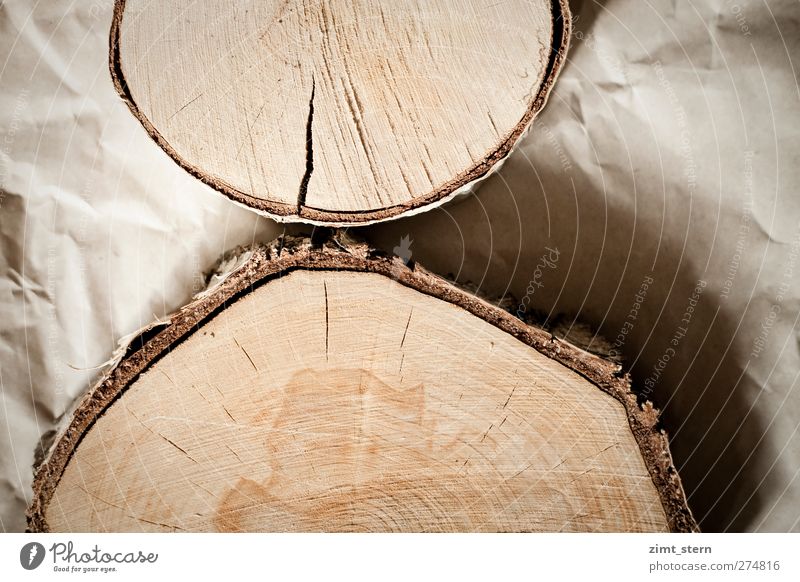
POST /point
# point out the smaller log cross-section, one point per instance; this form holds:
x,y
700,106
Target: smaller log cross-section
x,y
411,102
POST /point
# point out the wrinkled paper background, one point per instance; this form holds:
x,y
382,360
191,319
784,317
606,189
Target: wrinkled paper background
x,y
660,185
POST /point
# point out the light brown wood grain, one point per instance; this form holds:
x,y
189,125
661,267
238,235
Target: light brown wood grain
x,y
345,401
339,111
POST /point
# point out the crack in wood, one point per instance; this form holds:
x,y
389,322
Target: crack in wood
x,y
225,408
170,441
405,331
234,453
325,286
244,351
301,195
185,106
509,396
159,523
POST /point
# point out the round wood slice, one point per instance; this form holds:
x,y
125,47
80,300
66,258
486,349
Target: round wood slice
x,y
338,112
327,388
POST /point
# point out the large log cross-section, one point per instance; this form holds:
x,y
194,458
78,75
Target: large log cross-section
x,y
327,387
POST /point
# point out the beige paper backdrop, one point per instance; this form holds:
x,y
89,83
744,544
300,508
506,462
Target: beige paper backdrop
x,y
664,173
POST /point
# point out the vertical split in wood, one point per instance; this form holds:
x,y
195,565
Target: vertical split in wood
x,y
301,195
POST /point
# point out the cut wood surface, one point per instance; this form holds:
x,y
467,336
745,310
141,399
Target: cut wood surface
x,y
338,112
324,387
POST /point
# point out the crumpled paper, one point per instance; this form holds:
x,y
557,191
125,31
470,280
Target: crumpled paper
x,y
654,199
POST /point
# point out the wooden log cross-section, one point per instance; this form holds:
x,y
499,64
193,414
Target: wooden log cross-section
x,y
322,386
338,111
